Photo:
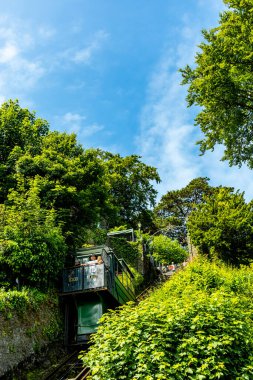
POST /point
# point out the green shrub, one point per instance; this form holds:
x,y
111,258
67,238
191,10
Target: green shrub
x,y
138,278
125,250
166,250
199,325
19,301
32,246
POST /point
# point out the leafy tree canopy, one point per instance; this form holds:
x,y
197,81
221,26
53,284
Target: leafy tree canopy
x,y
223,227
20,131
131,188
19,127
84,187
175,206
32,247
166,250
71,180
222,84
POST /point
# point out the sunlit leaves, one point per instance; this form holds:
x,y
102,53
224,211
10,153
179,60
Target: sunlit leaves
x,y
221,83
175,206
131,190
223,227
188,329
32,247
76,190
166,250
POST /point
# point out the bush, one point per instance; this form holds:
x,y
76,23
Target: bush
x,y
125,250
199,325
166,250
32,247
222,227
20,301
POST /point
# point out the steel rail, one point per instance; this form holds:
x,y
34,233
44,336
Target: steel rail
x,y
59,372
83,374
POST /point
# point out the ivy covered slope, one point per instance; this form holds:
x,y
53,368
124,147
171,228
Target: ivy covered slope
x,y
199,325
29,320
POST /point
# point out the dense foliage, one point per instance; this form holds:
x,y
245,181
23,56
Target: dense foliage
x,y
199,325
32,247
126,250
14,301
20,131
70,181
166,250
222,84
130,188
175,206
57,193
223,227
131,252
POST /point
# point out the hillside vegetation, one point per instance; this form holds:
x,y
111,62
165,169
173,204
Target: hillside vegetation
x,y
29,321
199,325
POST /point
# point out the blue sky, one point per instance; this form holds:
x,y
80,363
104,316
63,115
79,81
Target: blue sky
x,y
108,71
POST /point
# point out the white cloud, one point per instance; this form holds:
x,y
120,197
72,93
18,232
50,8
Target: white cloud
x,y
70,117
74,122
8,52
46,32
84,55
90,130
19,70
166,137
71,122
24,61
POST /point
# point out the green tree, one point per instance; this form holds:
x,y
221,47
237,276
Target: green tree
x,y
32,246
131,189
20,131
166,250
84,187
222,227
222,84
175,206
71,180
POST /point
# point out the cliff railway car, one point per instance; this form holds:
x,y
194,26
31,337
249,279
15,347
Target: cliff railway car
x,y
98,281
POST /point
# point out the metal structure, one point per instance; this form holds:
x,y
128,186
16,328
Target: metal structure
x,y
126,234
90,288
70,368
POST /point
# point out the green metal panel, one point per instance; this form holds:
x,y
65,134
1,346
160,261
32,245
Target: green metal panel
x,y
89,311
121,293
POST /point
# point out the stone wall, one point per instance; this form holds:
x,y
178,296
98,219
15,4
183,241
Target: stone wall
x,y
25,335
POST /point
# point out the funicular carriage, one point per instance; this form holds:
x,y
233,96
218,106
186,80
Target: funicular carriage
x,y
90,288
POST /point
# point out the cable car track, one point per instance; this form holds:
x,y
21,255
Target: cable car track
x,y
83,374
70,368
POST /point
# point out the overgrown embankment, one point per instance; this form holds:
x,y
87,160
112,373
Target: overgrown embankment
x,y
199,325
29,320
